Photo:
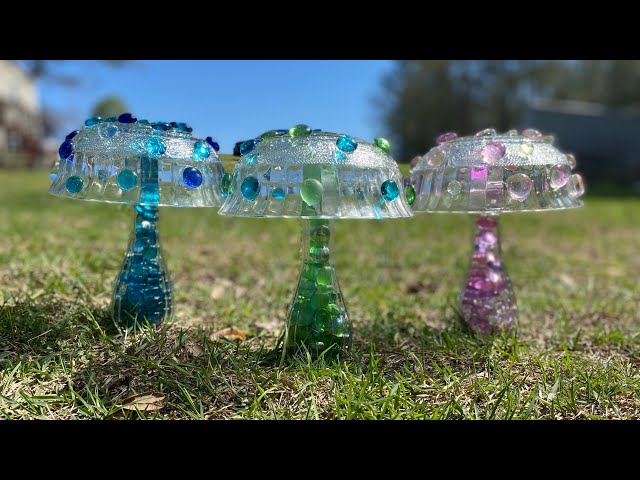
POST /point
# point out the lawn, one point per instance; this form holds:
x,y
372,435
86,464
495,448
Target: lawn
x,y
575,353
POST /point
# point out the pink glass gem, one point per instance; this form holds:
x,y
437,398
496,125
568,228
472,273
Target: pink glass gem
x,y
487,132
559,176
446,137
519,186
571,160
531,133
487,221
578,185
511,168
493,151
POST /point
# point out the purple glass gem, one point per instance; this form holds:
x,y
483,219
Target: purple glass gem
x,y
127,118
531,133
446,137
406,182
487,302
493,151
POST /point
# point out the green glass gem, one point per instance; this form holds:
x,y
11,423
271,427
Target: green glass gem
x,y
299,131
410,194
311,191
269,134
74,184
225,185
324,276
383,144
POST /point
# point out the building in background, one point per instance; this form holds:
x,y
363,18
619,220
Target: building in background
x,y
20,118
606,142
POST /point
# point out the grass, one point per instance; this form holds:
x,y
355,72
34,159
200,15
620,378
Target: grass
x,y
575,354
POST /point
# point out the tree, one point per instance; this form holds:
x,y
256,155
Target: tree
x,y
110,106
423,98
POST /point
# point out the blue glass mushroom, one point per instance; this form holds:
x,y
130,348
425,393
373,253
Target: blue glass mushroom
x,y
146,165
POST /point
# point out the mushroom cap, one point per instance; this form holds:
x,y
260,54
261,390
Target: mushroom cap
x,y
139,164
318,175
490,173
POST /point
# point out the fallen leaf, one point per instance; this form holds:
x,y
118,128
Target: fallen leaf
x,y
567,280
144,402
230,333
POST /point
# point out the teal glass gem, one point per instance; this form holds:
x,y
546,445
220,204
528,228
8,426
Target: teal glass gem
x,y
192,177
127,179
251,158
248,146
225,185
201,150
278,193
155,146
410,194
250,188
110,119
311,191
339,156
107,130
382,144
91,121
102,175
346,144
300,131
74,184
389,190
144,121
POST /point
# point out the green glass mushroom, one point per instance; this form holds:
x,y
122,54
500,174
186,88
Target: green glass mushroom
x,y
318,177
146,165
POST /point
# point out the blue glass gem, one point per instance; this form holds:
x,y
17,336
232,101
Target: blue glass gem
x,y
252,158
72,134
74,184
189,130
278,193
389,190
182,126
91,121
192,177
70,159
201,150
127,179
213,144
250,188
161,126
143,122
174,124
65,150
248,146
155,146
107,130
53,176
317,129
127,118
346,144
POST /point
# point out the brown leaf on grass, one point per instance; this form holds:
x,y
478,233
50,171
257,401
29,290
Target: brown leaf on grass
x,y
230,333
145,402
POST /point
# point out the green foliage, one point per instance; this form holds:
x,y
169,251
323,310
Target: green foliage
x,y
110,106
575,354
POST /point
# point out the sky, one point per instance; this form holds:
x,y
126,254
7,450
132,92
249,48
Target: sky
x,y
230,100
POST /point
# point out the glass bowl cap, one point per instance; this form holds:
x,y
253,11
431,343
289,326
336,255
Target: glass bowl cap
x,y
123,160
315,174
489,173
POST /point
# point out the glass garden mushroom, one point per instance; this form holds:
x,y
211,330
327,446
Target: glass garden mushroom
x,y
489,174
147,165
319,177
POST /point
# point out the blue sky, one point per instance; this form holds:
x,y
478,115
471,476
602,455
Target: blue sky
x,y
230,100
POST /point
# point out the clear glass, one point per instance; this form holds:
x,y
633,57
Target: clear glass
x,y
487,301
143,291
317,316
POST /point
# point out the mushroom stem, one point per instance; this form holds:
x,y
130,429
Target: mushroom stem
x,y
487,302
317,318
143,290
